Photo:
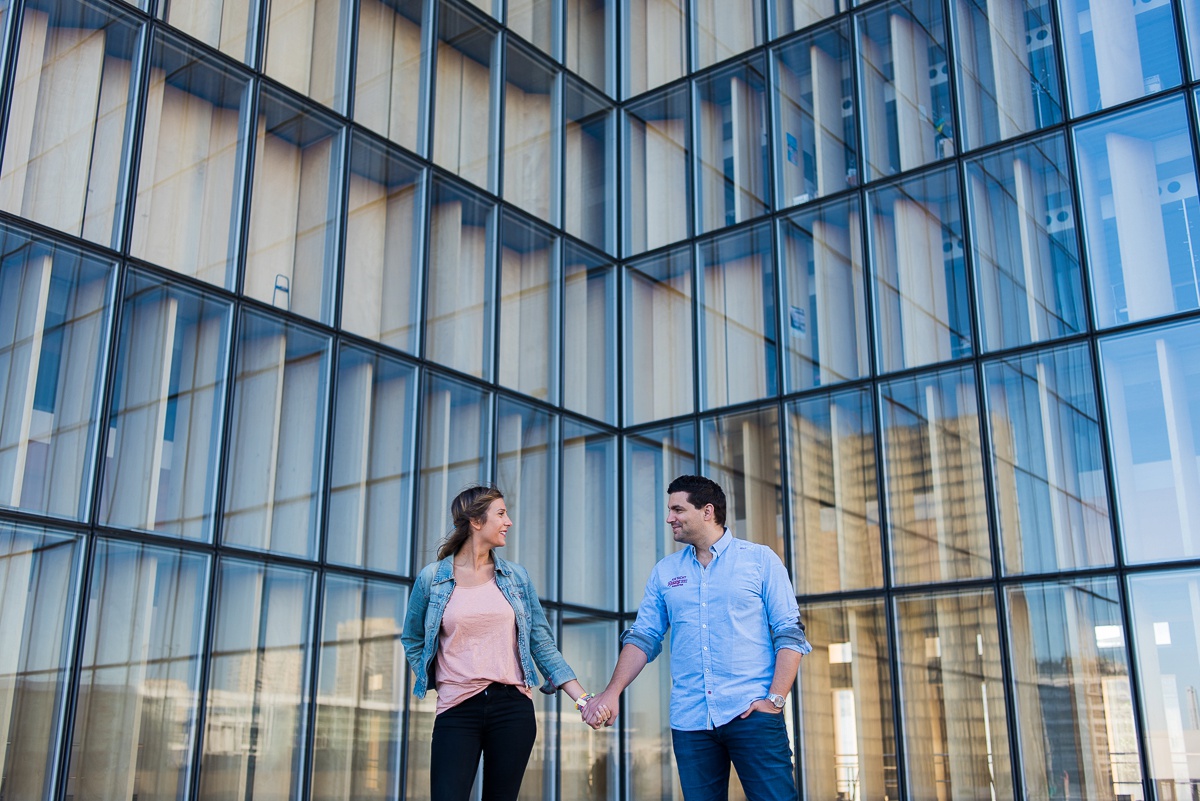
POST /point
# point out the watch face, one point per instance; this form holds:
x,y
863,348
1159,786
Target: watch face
x,y
777,700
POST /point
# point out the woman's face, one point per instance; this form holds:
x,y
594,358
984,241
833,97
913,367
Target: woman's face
x,y
492,531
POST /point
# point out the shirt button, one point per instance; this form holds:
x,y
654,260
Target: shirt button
x,y
706,648
703,625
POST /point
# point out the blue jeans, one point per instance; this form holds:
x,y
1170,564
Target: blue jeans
x,y
757,746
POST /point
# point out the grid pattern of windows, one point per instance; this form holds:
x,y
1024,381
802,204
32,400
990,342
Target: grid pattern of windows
x,y
917,281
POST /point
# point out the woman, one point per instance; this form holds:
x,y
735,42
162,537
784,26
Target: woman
x,y
475,629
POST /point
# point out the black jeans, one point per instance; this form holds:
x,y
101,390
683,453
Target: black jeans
x,y
497,723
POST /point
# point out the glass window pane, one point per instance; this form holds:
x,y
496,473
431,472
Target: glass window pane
x,y
1023,245
72,95
657,201
653,772
731,145
589,335
922,314
277,438
907,106
741,453
134,732
933,474
54,319
1191,22
792,15
1152,394
824,305
193,146
381,294
835,496
387,81
589,507
528,310
952,697
463,127
527,473
1007,71
533,20
455,438
1125,163
589,204
816,143
530,134
371,476
458,310
658,338
39,583
590,33
725,28
1075,721
845,699
538,781
1166,619
652,460
737,317
1047,464
360,691
294,208
226,25
589,766
308,48
652,43
164,432
1142,33
256,711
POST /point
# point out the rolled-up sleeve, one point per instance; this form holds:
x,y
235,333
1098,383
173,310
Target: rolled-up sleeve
x,y
650,627
783,615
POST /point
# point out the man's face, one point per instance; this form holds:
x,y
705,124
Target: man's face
x,y
686,521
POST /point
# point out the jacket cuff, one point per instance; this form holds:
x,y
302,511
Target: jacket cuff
x,y
652,648
555,682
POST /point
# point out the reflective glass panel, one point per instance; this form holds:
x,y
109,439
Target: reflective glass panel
x,y
815,141
381,296
1143,34
227,25
455,436
933,475
737,319
731,145
308,47
464,119
589,341
1191,22
590,37
294,208
277,438
418,739
256,712
952,697
39,583
54,320
1152,400
1007,69
164,431
360,692
1166,638
371,475
824,305
533,20
387,82
589,204
922,314
741,453
538,783
1047,464
907,106
589,507
725,28
653,772
531,174
834,493
1138,190
792,15
72,95
527,473
845,698
529,330
458,303
589,766
193,147
652,43
1075,720
657,202
1023,245
139,682
658,337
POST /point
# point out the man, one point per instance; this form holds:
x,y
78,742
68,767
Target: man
x,y
736,644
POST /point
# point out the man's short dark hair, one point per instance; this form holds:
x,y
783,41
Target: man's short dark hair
x,y
701,491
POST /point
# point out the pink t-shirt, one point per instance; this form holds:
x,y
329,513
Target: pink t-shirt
x,y
477,645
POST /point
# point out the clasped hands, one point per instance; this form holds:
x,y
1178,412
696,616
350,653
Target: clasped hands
x,y
597,711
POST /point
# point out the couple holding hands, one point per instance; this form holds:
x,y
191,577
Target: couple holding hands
x,y
475,630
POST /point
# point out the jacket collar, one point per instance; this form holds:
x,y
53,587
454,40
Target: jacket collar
x,y
445,568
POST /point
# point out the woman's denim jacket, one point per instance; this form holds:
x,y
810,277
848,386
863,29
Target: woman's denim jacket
x,y
535,641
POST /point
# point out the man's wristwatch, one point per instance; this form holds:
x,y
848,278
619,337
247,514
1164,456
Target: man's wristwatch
x,y
776,700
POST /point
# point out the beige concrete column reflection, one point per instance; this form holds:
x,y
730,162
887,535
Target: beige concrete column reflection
x,y
16,572
21,357
377,283
388,89
734,365
921,283
911,46
1132,168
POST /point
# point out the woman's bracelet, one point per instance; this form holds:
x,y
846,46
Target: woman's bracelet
x,y
582,700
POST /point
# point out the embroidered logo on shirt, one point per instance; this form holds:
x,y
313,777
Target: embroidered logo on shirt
x,y
678,580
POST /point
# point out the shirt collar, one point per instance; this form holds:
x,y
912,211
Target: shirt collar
x,y
720,545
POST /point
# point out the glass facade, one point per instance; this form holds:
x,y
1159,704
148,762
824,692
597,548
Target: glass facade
x,y
918,281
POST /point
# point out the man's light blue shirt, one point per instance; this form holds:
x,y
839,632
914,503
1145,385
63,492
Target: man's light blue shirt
x,y
727,622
